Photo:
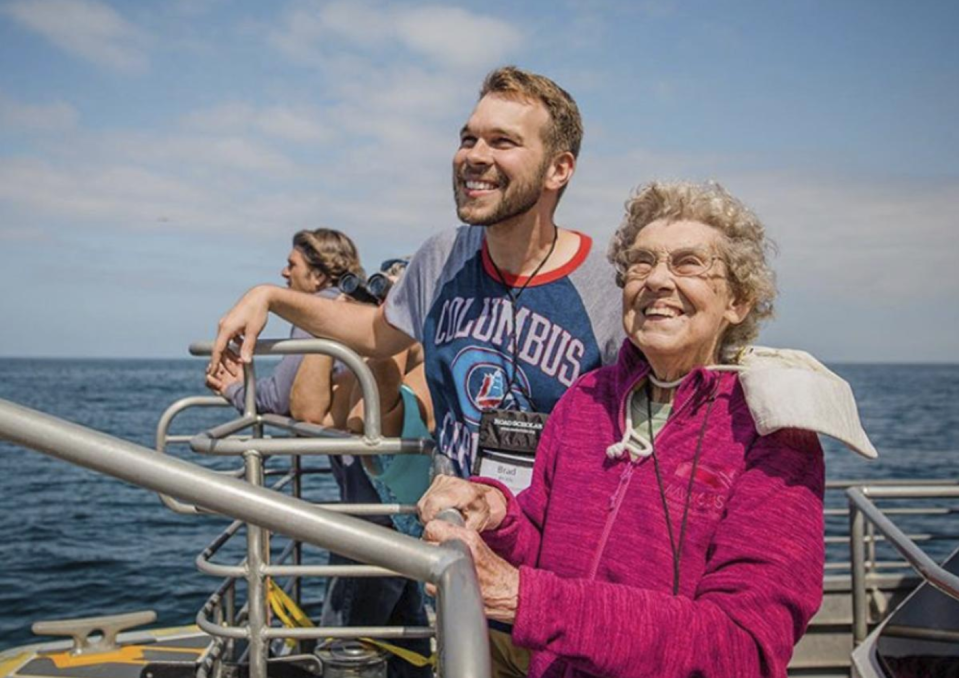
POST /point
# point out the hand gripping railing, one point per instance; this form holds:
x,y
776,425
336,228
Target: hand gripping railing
x,y
311,440
461,627
862,509
371,442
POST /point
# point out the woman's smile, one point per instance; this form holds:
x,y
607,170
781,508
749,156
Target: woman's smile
x,y
676,319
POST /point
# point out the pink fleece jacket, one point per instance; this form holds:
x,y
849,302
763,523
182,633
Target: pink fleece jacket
x,y
590,537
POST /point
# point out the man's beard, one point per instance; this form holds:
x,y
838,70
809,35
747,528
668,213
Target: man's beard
x,y
517,198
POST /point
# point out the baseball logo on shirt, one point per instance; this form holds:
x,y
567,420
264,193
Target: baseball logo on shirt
x,y
484,374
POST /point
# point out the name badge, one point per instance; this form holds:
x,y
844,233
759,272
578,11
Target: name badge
x,y
507,447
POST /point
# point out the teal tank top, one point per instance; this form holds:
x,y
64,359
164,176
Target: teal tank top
x,y
403,478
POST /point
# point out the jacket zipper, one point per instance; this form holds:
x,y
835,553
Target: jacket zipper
x,y
614,504
616,501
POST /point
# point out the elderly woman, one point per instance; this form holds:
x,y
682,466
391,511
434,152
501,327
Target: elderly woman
x,y
661,535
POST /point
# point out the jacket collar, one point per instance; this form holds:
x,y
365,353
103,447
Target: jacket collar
x,y
632,368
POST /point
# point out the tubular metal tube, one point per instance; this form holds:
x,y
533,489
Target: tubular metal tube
x,y
908,491
163,439
352,632
352,537
857,556
217,631
370,509
214,442
450,568
871,548
302,428
297,546
328,571
230,427
241,571
930,570
469,652
217,570
256,547
364,377
249,390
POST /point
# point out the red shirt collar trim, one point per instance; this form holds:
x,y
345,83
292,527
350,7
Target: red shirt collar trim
x,y
585,244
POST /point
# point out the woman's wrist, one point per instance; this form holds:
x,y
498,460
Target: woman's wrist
x,y
502,599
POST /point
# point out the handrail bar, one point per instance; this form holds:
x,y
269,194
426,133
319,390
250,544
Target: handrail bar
x,y
900,491
352,360
862,507
461,625
163,439
845,483
371,442
208,443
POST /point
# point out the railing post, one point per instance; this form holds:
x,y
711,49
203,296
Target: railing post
x,y
460,610
256,539
297,545
230,604
857,547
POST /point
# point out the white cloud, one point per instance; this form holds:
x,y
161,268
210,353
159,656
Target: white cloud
x,y
850,239
85,28
187,155
450,37
301,125
115,195
360,22
52,117
892,241
293,125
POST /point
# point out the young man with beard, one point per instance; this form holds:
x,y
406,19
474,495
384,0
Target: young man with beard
x,y
510,308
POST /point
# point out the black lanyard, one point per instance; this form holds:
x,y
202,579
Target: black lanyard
x,y
514,301
676,549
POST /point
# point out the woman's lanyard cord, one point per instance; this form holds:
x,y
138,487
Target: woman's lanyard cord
x,y
513,302
677,550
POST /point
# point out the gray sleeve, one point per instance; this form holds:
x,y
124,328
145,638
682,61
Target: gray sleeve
x,y
409,299
273,392
596,282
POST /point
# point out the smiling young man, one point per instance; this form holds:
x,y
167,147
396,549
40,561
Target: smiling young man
x,y
510,308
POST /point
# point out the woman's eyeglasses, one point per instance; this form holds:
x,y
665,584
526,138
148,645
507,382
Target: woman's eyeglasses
x,y
686,262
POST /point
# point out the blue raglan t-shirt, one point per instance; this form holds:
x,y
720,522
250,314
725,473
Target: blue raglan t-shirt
x,y
452,300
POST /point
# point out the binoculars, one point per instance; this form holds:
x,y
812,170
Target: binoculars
x,y
373,290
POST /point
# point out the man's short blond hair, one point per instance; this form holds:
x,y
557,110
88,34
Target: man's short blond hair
x,y
565,130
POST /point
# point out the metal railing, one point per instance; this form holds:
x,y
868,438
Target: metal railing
x,y
837,524
188,488
865,518
311,440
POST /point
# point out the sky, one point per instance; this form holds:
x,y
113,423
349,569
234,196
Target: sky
x,y
157,157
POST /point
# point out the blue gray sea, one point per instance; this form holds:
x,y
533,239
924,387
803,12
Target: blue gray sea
x,y
73,543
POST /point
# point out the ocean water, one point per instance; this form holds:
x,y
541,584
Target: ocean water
x,y
74,543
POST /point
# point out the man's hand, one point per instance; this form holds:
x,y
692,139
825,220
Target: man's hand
x,y
243,322
483,507
228,372
498,580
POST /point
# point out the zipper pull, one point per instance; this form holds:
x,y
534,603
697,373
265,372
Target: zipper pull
x,y
623,479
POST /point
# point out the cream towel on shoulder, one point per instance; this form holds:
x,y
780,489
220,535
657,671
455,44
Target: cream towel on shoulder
x,y
786,388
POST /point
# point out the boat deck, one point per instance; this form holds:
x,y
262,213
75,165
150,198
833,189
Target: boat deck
x,y
54,660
